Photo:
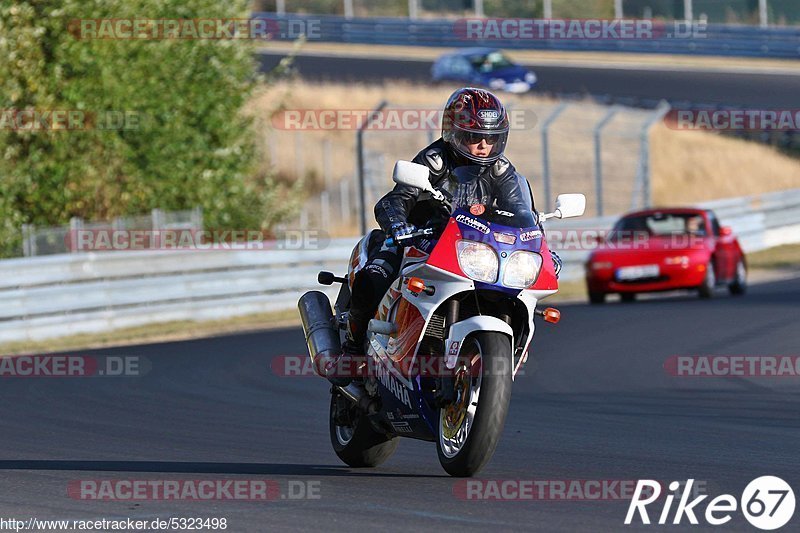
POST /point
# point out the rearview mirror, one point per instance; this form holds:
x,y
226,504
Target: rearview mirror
x,y
413,174
570,205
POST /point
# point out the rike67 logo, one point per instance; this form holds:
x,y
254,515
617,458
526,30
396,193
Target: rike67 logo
x,y
767,503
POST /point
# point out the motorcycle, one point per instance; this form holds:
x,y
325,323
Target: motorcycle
x,y
449,337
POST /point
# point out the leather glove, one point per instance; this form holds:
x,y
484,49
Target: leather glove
x,y
401,229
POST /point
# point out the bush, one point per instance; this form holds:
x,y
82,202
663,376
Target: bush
x,y
186,142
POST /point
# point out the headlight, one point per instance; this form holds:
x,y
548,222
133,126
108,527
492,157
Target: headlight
x,y
521,269
530,77
497,83
478,261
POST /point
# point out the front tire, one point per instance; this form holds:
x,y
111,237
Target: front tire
x,y
597,298
709,282
470,427
355,442
739,284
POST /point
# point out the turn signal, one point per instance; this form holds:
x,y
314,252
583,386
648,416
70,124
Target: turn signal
x,y
551,315
416,285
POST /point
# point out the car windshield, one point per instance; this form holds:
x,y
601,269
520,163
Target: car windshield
x,y
490,62
660,225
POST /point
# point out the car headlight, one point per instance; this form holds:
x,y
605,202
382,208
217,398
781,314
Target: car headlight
x,y
497,83
522,269
601,265
478,261
530,77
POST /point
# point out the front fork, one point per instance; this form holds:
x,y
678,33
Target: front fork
x,y
445,384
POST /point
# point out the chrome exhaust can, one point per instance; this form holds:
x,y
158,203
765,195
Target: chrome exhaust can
x,y
321,331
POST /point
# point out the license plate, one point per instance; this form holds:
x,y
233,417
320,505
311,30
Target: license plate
x,y
638,272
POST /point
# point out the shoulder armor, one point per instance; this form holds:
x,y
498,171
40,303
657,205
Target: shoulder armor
x,y
500,167
435,160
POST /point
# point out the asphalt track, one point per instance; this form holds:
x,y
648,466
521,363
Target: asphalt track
x,y
643,87
594,403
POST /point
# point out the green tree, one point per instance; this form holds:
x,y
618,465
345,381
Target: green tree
x,y
186,143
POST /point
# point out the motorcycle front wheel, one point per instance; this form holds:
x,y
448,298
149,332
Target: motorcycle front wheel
x,y
470,427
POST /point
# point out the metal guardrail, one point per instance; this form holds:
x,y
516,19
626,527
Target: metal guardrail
x,y
57,295
716,40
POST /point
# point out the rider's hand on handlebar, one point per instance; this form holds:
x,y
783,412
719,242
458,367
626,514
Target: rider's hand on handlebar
x,y
401,231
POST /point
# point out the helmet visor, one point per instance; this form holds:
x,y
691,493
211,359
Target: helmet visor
x,y
481,146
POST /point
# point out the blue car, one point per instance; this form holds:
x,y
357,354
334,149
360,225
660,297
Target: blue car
x,y
486,67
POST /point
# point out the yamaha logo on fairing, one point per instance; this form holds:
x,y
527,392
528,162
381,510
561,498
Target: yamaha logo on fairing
x,y
471,222
488,114
396,388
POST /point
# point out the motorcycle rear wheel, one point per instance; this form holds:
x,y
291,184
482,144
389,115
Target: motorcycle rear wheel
x,y
358,444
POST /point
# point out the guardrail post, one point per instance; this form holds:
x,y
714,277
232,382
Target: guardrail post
x,y
548,9
688,11
479,8
360,155
763,13
348,9
280,7
598,157
546,150
618,13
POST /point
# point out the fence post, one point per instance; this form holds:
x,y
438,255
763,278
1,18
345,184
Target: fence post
x,y
618,13
28,240
280,7
413,9
348,9
360,156
479,8
196,218
546,150
643,178
548,9
763,13
75,225
598,157
688,11
157,218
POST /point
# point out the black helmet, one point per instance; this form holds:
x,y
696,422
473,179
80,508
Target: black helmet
x,y
471,115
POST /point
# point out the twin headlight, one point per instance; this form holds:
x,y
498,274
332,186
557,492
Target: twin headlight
x,y
479,261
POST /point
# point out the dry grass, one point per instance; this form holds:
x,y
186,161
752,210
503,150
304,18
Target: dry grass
x,y
696,166
687,167
780,257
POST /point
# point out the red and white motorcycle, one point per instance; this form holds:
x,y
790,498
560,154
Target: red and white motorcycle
x,y
449,337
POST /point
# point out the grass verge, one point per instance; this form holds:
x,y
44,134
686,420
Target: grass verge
x,y
780,257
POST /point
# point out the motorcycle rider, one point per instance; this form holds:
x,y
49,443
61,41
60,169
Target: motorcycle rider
x,y
475,129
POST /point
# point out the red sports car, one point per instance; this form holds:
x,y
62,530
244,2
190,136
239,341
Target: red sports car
x,y
664,250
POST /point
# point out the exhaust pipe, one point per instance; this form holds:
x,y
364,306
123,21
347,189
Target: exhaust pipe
x,y
322,338
319,326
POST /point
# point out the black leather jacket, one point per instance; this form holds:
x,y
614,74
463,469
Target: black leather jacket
x,y
499,185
